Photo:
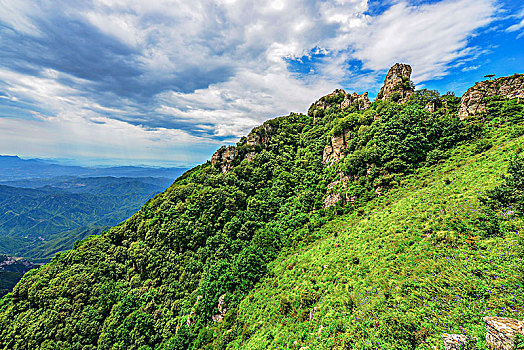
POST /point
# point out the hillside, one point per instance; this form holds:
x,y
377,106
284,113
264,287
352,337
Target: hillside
x,y
358,226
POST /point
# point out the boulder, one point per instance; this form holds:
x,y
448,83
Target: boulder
x,y
458,342
501,332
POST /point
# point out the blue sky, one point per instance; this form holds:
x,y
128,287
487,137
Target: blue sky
x,y
168,82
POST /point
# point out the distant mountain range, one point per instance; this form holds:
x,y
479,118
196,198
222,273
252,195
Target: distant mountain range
x,y
15,168
46,207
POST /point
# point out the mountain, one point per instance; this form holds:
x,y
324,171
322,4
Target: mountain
x,y
361,225
14,168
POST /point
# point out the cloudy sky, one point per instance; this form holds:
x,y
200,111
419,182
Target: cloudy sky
x,y
167,82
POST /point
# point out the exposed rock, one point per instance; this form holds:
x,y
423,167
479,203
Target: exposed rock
x,y
221,310
339,99
397,85
335,151
334,196
258,137
458,342
501,332
224,157
509,87
190,320
431,107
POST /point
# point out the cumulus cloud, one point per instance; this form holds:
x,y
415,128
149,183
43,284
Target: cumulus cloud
x,y
205,72
430,37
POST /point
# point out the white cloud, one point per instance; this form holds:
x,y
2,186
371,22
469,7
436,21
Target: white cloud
x,y
518,26
235,52
69,135
17,14
430,37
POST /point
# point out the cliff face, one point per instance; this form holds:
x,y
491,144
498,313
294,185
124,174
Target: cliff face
x,y
509,87
397,85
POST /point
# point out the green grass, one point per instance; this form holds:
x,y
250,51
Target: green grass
x,y
413,265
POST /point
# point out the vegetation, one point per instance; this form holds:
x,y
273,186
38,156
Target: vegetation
x,y
413,254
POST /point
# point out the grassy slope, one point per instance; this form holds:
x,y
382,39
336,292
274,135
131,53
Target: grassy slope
x,y
403,268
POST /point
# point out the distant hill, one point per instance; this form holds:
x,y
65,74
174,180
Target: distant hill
x,y
46,208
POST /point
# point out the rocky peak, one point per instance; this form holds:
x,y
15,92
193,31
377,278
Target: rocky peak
x,y
339,99
397,85
509,87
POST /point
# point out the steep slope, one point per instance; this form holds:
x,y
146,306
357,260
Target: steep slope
x,y
410,266
184,271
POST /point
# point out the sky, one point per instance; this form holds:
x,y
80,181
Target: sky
x,y
166,83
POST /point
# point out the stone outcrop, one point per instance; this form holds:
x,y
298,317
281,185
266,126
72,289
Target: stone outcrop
x,y
334,190
509,87
223,158
334,152
459,342
221,309
397,85
339,99
258,137
501,332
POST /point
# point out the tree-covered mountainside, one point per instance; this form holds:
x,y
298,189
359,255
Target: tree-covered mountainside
x,y
358,226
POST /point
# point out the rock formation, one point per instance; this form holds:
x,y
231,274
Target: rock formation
x,y
501,332
221,310
397,85
224,157
335,150
334,191
258,137
458,342
509,87
339,99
